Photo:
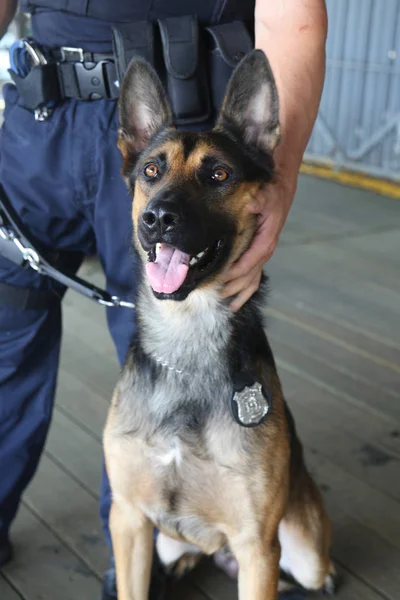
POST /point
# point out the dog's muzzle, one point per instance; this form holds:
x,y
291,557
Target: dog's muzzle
x,y
184,245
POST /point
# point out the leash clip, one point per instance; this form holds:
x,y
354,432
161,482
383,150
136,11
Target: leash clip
x,y
115,302
28,254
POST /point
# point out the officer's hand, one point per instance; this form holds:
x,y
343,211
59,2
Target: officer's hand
x,y
272,206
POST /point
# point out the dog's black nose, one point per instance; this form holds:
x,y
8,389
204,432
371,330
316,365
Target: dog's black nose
x,y
160,217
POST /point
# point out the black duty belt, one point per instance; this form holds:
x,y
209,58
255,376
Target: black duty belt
x,y
193,62
85,75
46,77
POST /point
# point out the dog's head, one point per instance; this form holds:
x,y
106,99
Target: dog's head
x,y
191,190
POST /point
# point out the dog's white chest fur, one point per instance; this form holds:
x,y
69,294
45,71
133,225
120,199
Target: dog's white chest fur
x,y
187,336
173,456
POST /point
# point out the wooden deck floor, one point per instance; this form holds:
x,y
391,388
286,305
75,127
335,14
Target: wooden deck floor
x,y
334,324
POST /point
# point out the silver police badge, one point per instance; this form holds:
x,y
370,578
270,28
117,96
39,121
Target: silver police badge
x,y
252,405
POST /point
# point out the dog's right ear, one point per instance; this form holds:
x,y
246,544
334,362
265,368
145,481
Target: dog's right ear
x,y
143,108
251,105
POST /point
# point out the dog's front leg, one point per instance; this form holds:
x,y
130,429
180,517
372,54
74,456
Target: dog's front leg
x,y
258,569
132,540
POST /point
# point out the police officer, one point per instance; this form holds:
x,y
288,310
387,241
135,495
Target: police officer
x,y
60,169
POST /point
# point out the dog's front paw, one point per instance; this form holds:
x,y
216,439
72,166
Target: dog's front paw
x,y
186,563
177,557
330,586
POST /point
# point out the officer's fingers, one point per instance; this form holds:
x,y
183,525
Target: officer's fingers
x,y
257,254
245,295
237,285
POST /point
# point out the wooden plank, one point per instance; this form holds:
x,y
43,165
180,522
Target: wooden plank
x,y
372,509
352,389
367,366
371,559
315,289
360,444
346,268
213,582
324,210
360,336
6,591
362,460
80,402
87,325
384,245
373,272
44,568
347,388
77,451
359,208
70,511
92,368
185,590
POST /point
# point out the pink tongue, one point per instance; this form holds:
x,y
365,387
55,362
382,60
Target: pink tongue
x,y
169,270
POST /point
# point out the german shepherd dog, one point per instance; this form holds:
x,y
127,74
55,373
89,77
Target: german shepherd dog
x,y
199,441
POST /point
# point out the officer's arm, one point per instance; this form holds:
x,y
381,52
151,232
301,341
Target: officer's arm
x,y
8,8
292,34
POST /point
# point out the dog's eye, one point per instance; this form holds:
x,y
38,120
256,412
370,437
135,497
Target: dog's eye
x,y
220,175
151,171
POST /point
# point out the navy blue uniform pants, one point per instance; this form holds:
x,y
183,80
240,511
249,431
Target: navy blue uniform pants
x,y
63,178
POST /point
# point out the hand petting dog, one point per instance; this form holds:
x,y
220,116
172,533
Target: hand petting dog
x,y
272,206
293,37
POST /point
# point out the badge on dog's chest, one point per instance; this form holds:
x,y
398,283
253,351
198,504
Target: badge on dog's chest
x,y
250,406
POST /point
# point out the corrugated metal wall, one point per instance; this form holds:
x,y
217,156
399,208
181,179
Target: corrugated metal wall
x,y
358,125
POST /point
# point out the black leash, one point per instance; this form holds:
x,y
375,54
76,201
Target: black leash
x,y
17,247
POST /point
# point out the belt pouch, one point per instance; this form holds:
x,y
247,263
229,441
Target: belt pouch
x,y
130,40
230,42
185,70
40,87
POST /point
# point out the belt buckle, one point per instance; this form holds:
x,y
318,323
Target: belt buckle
x,y
73,54
91,80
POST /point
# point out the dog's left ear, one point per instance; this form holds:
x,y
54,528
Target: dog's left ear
x,y
143,107
251,107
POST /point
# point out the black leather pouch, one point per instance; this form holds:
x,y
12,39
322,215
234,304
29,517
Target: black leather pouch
x,y
185,75
229,43
130,40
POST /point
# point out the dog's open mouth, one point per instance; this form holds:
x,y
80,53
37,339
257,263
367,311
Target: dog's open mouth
x,y
169,268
